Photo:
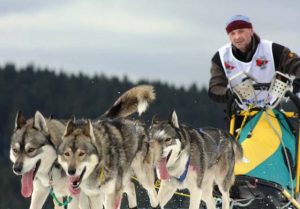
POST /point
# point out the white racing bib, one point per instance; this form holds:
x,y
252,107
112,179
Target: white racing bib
x,y
261,67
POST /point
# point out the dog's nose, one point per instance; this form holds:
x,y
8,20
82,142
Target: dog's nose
x,y
17,168
71,171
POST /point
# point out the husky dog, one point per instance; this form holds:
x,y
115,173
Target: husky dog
x,y
99,156
33,154
193,159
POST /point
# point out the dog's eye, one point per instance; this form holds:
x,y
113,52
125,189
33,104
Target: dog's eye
x,y
15,150
30,150
168,139
67,154
81,154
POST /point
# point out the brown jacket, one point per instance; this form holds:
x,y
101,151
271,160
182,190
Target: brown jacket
x,y
285,61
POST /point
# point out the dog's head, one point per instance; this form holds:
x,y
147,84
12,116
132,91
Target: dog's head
x,y
31,150
77,153
167,138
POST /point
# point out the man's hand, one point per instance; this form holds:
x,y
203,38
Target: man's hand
x,y
296,86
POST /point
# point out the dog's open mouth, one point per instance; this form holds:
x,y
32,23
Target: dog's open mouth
x,y
169,155
27,180
74,183
162,167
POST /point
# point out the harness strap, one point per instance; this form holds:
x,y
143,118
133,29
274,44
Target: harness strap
x,y
69,198
102,176
183,175
64,203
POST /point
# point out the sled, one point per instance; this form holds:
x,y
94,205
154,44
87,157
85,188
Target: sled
x,y
268,176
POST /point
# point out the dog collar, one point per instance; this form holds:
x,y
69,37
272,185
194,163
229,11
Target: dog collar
x,y
183,175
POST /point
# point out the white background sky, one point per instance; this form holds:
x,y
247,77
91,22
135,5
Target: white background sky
x,y
168,40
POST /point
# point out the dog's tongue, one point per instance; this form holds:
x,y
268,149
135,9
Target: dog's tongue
x,y
27,183
163,172
70,183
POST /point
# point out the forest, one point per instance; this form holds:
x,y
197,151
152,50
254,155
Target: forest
x,y
63,96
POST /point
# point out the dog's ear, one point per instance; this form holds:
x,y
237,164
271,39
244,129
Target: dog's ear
x,y
173,119
51,117
155,119
69,128
39,122
88,130
20,120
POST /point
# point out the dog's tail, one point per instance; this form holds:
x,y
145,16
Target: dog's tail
x,y
238,151
136,99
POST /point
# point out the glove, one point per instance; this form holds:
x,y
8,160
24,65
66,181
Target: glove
x,y
296,86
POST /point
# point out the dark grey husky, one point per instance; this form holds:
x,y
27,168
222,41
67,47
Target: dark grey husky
x,y
193,159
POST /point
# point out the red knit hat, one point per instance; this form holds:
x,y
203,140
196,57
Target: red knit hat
x,y
238,22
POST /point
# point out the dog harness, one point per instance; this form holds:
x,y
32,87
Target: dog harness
x,y
183,175
55,199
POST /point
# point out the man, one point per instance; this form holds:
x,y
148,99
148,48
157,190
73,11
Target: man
x,y
249,56
247,53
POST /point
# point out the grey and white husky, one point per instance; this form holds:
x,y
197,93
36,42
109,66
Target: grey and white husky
x,y
100,156
33,153
193,159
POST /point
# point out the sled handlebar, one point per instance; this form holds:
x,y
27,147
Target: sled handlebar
x,y
294,98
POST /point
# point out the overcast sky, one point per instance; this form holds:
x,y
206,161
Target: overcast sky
x,y
168,40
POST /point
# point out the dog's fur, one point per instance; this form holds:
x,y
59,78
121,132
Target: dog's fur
x,y
100,156
206,156
33,154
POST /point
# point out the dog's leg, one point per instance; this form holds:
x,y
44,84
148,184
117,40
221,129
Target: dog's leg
x,y
145,176
207,188
84,201
74,203
195,198
113,200
224,183
225,198
131,194
39,196
94,202
166,191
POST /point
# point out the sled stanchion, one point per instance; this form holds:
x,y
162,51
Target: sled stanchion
x,y
232,125
231,116
290,198
296,101
297,162
246,115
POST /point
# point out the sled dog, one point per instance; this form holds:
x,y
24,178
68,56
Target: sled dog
x,y
33,153
100,156
193,159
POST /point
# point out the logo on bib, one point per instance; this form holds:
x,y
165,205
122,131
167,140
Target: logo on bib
x,y
228,67
262,62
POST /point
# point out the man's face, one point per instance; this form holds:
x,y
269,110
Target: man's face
x,y
241,38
